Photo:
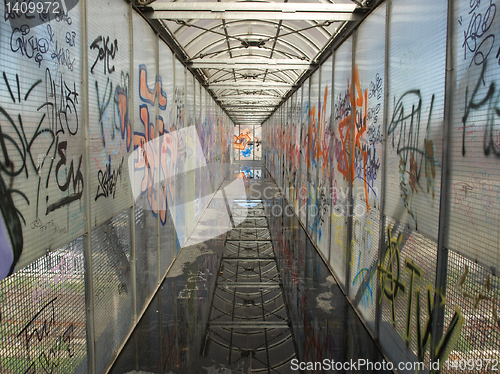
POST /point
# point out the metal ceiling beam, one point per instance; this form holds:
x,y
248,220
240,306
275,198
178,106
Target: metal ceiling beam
x,y
241,116
249,63
269,107
245,111
238,85
251,10
240,110
249,117
248,97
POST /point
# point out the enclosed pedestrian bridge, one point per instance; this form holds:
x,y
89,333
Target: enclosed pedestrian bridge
x,y
249,187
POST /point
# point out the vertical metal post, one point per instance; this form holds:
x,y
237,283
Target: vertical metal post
x,y
314,234
133,255
87,239
159,276
381,240
330,157
253,153
351,177
160,328
298,108
444,203
308,153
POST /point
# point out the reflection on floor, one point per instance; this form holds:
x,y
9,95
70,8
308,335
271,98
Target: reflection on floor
x,y
248,317
255,299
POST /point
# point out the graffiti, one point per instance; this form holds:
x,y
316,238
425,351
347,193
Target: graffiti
x,y
116,121
359,153
51,225
342,106
148,95
107,180
28,45
323,148
71,176
70,38
492,100
196,287
478,26
389,272
60,106
148,155
391,287
312,159
375,89
55,277
241,141
63,57
37,47
11,232
105,52
372,115
340,230
63,16
482,295
364,276
45,345
410,60
405,127
179,107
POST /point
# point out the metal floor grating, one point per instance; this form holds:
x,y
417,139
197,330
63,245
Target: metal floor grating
x,y
248,317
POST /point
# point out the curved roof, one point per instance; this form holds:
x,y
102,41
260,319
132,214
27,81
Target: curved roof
x,y
252,52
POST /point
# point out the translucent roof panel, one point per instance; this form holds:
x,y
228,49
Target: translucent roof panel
x,y
252,52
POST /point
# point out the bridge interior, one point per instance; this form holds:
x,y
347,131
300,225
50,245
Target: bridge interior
x,y
263,186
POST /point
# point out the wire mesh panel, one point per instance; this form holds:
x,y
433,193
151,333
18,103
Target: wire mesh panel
x,y
471,317
151,204
304,146
42,315
287,145
324,134
474,136
341,158
294,151
42,135
312,155
368,97
146,254
189,163
415,113
257,142
407,275
296,144
110,126
414,154
113,303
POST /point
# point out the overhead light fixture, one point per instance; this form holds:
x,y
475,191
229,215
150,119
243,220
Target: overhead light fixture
x,y
253,43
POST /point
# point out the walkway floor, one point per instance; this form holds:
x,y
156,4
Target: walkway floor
x,y
257,298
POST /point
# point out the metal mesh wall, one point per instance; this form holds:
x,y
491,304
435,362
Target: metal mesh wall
x,y
473,290
414,131
341,159
474,143
113,302
368,137
312,155
323,156
42,315
79,215
304,150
